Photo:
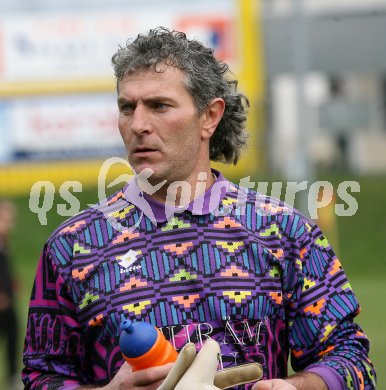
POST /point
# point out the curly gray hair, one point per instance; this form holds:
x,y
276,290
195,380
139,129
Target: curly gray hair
x,y
205,79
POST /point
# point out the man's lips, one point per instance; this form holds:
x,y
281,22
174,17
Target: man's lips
x,y
143,151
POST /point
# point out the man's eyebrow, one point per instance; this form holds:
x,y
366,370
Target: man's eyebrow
x,y
122,100
158,98
150,99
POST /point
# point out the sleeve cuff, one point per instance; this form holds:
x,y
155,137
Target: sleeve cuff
x,y
331,377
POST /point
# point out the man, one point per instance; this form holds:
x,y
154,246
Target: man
x,y
209,260
8,318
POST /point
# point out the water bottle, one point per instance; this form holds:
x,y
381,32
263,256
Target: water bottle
x,y
142,345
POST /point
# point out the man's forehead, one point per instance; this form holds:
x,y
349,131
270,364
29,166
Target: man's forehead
x,y
152,82
157,72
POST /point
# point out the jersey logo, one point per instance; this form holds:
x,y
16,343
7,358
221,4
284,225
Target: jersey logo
x,y
127,260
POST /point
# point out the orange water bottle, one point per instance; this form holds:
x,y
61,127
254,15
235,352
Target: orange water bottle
x,y
144,346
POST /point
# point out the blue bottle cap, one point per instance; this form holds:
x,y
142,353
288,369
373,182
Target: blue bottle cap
x,y
136,338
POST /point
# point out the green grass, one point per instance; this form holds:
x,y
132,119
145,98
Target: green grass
x,y
362,240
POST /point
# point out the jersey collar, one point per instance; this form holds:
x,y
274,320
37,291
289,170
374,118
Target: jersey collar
x,y
159,212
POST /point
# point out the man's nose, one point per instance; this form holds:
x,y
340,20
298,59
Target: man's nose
x,y
140,122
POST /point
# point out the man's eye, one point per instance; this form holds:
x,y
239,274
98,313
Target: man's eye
x,y
126,108
160,106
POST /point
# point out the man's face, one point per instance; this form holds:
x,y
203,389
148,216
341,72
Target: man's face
x,y
160,126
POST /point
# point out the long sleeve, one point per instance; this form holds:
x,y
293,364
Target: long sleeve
x,y
53,345
321,307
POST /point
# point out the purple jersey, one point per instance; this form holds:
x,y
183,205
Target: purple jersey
x,y
237,266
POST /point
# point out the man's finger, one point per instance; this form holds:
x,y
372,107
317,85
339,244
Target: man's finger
x,y
151,375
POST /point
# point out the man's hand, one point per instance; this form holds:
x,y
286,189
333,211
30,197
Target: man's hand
x,y
199,372
273,384
147,379
305,380
190,371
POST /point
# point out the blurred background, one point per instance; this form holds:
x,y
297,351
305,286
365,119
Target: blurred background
x,y
315,74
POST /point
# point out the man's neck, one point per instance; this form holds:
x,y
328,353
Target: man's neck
x,y
181,193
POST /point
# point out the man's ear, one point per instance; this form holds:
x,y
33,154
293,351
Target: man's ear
x,y
211,117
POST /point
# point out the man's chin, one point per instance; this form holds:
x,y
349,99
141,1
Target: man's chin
x,y
147,172
144,170
149,179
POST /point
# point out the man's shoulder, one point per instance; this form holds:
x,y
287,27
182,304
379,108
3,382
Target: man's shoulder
x,y
97,213
268,209
262,203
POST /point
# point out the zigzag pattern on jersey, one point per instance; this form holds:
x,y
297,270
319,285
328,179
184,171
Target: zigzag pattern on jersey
x,y
199,268
182,246
270,235
354,378
162,263
244,284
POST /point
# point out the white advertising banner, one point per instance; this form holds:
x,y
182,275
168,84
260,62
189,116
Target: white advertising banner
x,y
60,127
44,46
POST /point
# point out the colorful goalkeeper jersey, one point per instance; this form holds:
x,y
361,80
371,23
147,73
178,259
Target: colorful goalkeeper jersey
x,y
234,265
